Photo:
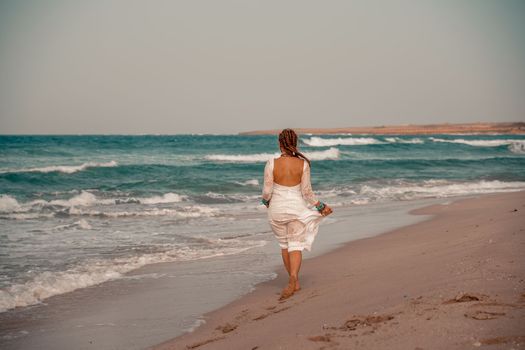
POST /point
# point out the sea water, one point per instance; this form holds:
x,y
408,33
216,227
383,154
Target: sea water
x,y
76,211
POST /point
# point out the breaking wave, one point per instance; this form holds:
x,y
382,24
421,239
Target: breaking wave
x,y
251,182
8,204
94,272
331,153
192,211
481,143
241,158
346,141
84,199
87,204
517,147
402,190
401,140
67,169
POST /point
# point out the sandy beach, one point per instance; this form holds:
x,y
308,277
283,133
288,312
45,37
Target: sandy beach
x,y
454,281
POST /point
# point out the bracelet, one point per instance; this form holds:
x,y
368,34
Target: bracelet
x,y
265,202
320,207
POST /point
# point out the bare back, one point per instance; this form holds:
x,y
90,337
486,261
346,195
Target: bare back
x,y
287,171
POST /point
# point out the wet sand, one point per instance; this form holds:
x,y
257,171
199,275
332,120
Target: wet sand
x,y
454,281
160,301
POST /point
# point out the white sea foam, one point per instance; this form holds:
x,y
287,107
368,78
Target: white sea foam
x,y
433,188
242,158
517,147
27,216
94,272
196,324
68,169
482,143
83,199
400,140
346,141
332,153
80,224
225,198
251,182
193,211
165,198
8,204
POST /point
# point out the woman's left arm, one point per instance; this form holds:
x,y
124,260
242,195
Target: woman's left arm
x,y
268,184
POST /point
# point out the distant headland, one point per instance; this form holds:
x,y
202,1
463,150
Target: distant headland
x,y
411,129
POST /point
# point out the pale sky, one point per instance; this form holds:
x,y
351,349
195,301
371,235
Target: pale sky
x,y
135,67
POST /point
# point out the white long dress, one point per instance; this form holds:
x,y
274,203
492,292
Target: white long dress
x,y
291,213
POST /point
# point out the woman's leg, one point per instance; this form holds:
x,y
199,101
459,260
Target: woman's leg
x,y
296,257
286,260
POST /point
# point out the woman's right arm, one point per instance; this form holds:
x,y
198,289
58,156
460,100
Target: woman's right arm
x,y
306,186
308,193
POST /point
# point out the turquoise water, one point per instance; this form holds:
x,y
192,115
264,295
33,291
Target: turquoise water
x,y
50,167
79,210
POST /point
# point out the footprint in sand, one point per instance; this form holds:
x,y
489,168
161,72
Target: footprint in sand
x,y
465,297
275,311
227,328
365,321
502,340
483,315
204,342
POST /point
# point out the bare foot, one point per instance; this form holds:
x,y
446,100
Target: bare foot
x,y
289,290
297,286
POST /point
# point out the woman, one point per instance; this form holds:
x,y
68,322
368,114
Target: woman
x,y
293,211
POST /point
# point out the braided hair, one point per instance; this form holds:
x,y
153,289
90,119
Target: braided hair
x,y
288,141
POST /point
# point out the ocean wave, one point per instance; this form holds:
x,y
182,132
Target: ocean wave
x,y
217,198
400,190
400,140
27,216
428,189
165,198
80,224
332,153
192,211
346,141
9,204
187,212
83,199
95,272
241,158
517,147
482,143
251,182
67,169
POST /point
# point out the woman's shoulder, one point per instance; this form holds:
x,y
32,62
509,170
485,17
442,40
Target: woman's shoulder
x,y
305,164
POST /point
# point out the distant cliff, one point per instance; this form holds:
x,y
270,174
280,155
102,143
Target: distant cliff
x,y
411,129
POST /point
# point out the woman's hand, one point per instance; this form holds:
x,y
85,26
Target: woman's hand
x,y
326,210
265,202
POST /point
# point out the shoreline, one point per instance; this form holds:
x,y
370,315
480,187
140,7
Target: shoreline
x,y
481,128
335,311
159,301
